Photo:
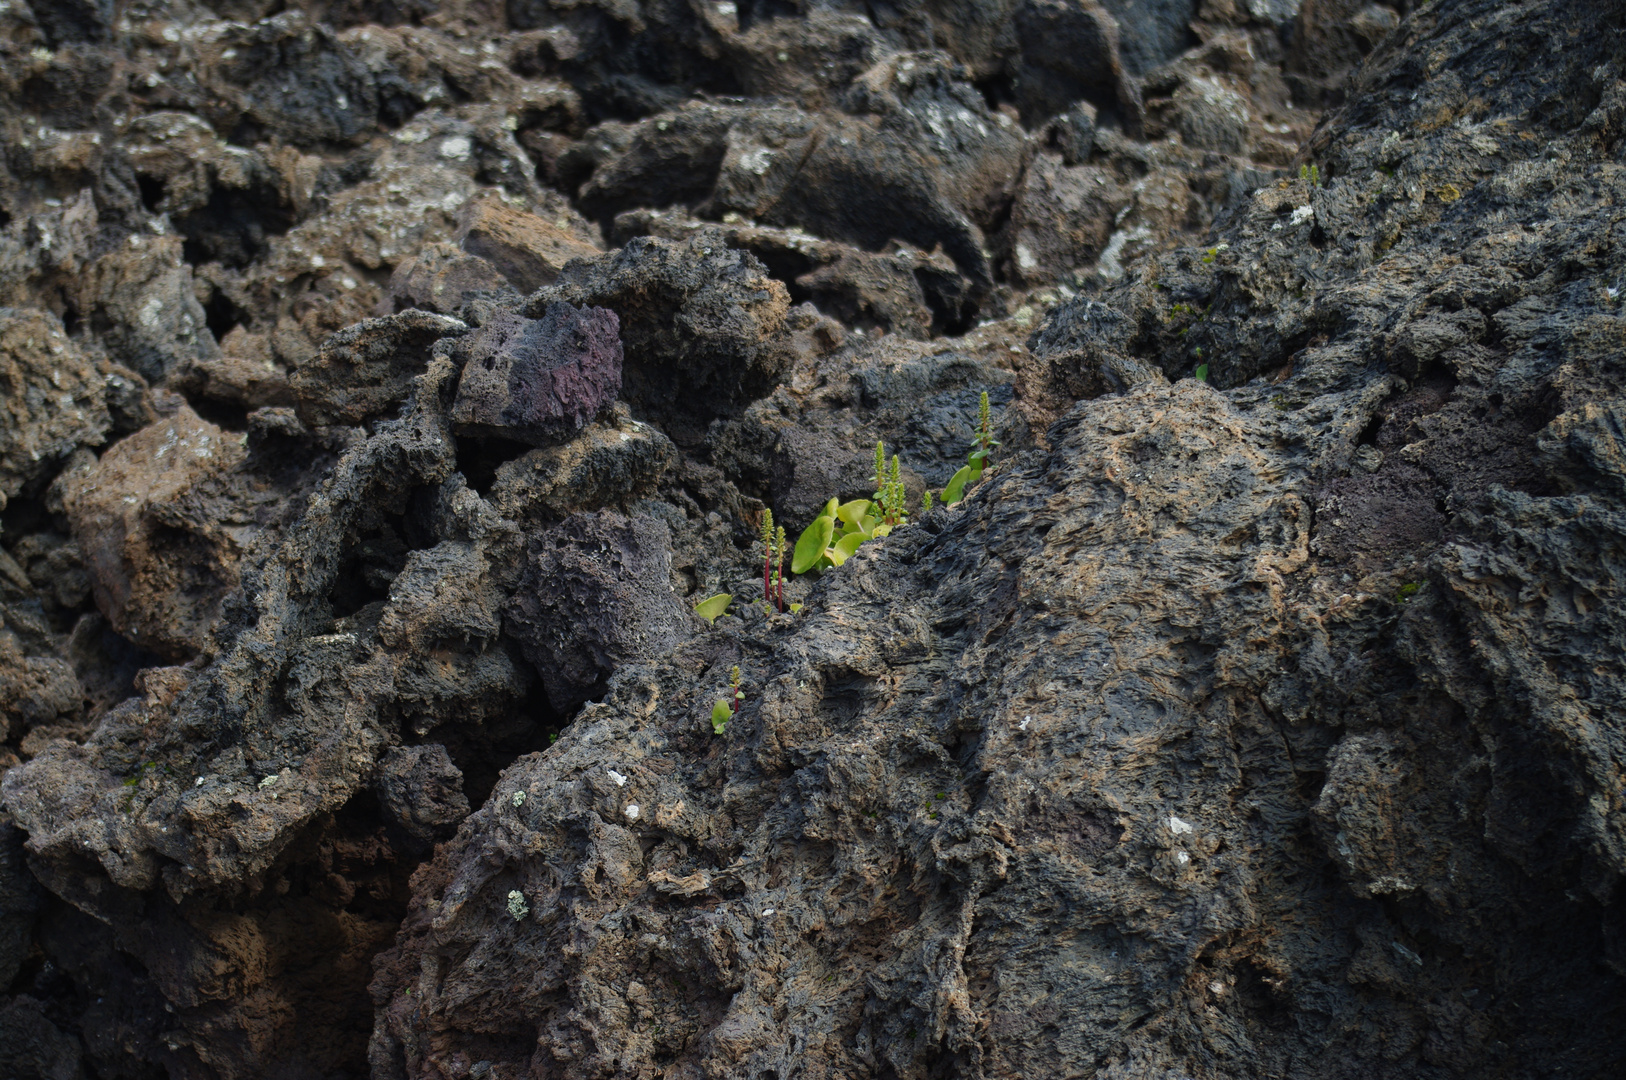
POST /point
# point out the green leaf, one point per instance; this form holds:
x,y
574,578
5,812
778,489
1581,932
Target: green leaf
x,y
835,556
831,508
956,485
721,714
852,513
811,544
794,608
713,606
882,530
1201,372
849,544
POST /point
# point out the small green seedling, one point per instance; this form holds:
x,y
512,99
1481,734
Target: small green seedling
x,y
766,536
723,711
781,547
983,443
1201,374
982,447
713,606
1310,174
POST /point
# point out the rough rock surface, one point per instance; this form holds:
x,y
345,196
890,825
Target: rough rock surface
x,y
596,595
538,380
382,384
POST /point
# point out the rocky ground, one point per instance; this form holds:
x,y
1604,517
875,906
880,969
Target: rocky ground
x,y
383,384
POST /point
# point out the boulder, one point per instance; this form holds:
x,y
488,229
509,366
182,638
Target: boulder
x,y
538,380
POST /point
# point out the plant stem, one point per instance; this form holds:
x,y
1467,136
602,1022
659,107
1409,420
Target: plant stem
x,y
783,546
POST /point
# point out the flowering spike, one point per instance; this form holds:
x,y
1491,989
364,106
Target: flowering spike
x,y
767,554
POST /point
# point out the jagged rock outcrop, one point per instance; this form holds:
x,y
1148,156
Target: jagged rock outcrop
x,y
383,384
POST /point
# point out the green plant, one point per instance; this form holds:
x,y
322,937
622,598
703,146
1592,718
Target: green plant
x,y
767,537
1407,591
832,537
982,446
1310,175
713,606
724,709
984,442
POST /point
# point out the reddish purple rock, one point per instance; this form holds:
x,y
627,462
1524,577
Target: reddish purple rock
x,y
538,380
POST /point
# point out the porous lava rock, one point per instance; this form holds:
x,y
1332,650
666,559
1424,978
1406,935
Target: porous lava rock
x,y
538,380
596,595
703,325
423,790
54,399
160,560
525,249
1256,714
365,371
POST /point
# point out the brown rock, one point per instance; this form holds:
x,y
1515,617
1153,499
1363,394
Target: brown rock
x,y
244,373
524,248
51,398
159,565
441,278
142,292
1062,219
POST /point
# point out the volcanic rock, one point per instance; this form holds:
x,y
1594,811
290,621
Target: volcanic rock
x,y
538,380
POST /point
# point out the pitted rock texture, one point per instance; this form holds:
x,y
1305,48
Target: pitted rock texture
x,y
354,720
538,380
703,325
596,595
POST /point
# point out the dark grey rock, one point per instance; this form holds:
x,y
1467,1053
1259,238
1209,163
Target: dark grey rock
x,y
596,594
365,372
422,790
702,324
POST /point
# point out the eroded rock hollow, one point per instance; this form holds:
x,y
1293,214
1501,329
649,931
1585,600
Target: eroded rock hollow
x,y
384,384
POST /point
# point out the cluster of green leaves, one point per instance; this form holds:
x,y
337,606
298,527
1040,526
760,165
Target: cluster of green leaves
x,y
1310,175
832,537
725,708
